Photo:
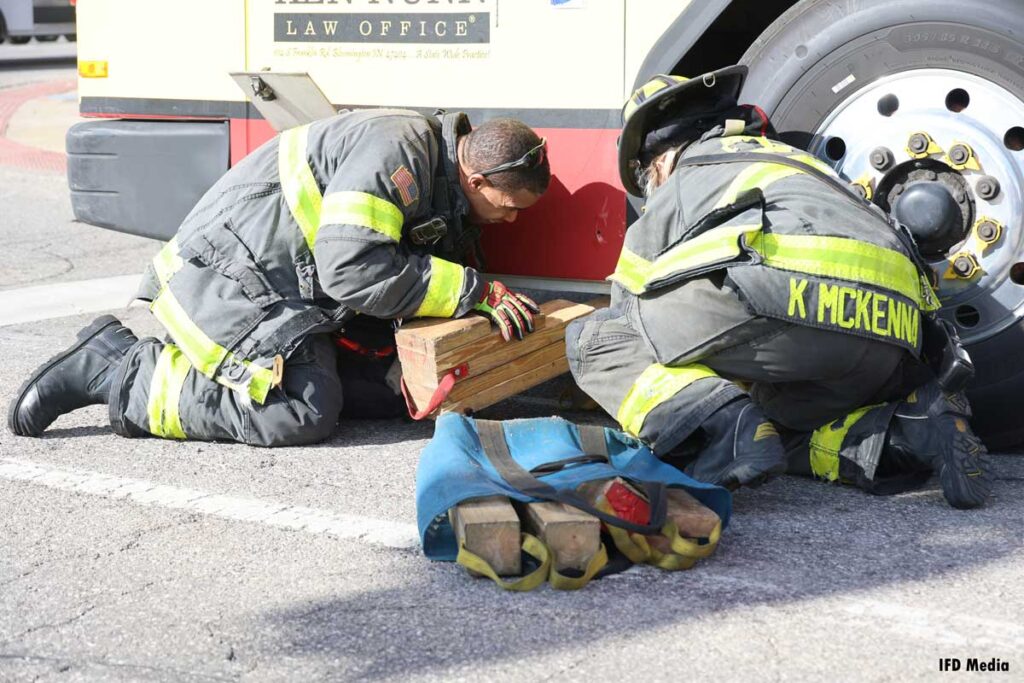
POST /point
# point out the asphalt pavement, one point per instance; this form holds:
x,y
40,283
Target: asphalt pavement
x,y
156,560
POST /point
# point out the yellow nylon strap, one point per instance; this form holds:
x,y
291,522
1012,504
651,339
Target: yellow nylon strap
x,y
300,189
688,547
443,291
203,353
165,391
670,561
843,259
654,386
364,210
827,443
562,582
531,546
167,262
634,546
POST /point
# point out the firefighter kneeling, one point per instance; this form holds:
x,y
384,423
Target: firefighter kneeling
x,y
359,214
756,296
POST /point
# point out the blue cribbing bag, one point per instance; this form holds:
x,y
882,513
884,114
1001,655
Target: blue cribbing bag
x,y
539,459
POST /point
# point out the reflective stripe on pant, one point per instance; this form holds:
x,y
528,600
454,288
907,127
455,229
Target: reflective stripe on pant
x,y
662,405
852,450
156,392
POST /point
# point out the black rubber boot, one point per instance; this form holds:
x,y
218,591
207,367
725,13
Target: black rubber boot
x,y
931,427
77,377
741,447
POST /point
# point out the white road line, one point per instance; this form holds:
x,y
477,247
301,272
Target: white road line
x,y
931,625
373,531
946,626
45,302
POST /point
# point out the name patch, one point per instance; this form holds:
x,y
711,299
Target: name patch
x,y
854,308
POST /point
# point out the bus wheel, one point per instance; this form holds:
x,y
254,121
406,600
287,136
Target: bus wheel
x,y
19,40
71,37
920,104
46,39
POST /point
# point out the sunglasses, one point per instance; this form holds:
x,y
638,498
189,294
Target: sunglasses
x,y
532,159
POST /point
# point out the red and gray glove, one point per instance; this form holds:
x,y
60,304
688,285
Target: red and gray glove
x,y
511,312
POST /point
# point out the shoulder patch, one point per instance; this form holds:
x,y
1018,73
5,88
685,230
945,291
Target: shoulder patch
x,y
406,185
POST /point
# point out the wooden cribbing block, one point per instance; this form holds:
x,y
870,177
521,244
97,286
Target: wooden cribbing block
x,y
693,519
489,528
573,536
492,369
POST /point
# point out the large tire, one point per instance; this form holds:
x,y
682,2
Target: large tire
x,y
19,40
47,39
797,70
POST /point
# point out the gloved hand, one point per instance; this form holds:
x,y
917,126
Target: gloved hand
x,y
511,312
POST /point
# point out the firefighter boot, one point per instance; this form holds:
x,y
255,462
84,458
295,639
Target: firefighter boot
x,y
740,447
77,377
931,427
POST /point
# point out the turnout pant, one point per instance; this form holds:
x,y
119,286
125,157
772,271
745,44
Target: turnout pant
x,y
802,378
156,392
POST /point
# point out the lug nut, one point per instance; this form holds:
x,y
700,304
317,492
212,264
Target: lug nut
x,y
964,265
918,143
881,158
959,154
988,231
859,190
987,187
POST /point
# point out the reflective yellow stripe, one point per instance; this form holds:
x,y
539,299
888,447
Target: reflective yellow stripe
x,y
766,145
827,443
297,182
834,257
167,262
759,175
366,210
843,259
713,246
631,271
203,353
165,391
656,384
641,94
444,290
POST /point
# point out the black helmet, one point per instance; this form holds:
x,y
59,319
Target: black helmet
x,y
672,102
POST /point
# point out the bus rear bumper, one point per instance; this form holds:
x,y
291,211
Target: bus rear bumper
x,y
143,177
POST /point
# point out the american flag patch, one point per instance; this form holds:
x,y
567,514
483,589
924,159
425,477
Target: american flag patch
x,y
406,184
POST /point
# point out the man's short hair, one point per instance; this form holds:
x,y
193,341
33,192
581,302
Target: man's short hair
x,y
500,141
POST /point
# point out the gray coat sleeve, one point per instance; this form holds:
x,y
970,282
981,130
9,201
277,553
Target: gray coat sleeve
x,y
378,186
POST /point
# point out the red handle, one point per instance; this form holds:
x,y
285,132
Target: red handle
x,y
440,394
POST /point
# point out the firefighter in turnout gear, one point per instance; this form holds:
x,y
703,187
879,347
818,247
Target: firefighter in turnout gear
x,y
764,319
347,223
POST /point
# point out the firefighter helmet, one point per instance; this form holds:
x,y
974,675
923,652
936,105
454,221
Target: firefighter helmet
x,y
676,101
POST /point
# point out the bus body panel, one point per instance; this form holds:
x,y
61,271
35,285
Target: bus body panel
x,y
562,66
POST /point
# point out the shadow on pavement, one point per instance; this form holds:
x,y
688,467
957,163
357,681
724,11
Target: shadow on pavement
x,y
90,430
793,541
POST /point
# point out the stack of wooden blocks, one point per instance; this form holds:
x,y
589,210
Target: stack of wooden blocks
x,y
488,369
490,527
